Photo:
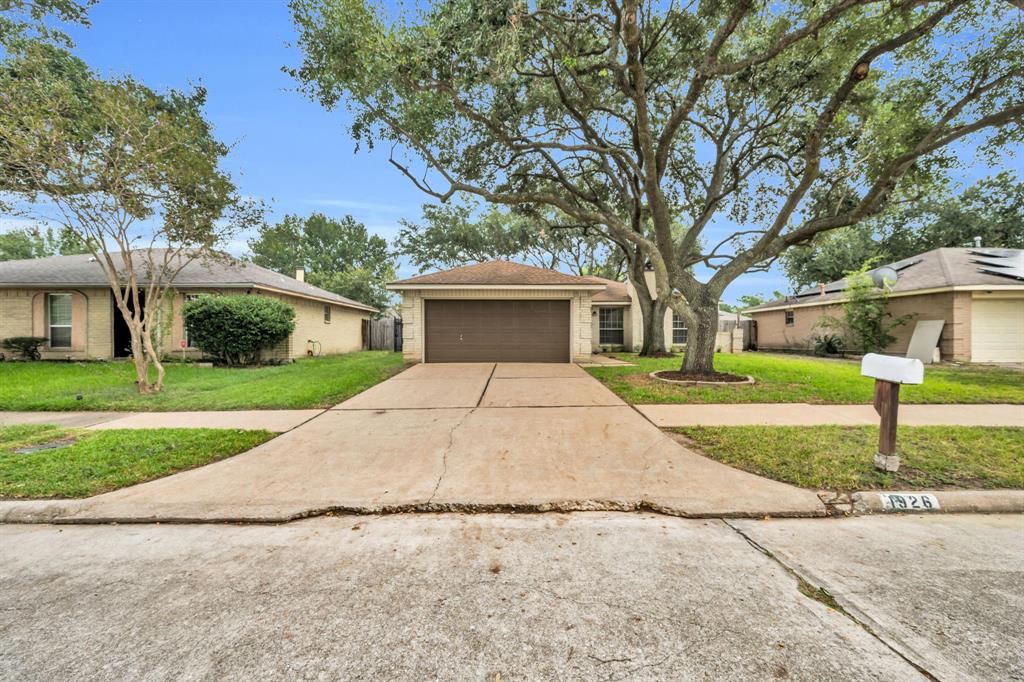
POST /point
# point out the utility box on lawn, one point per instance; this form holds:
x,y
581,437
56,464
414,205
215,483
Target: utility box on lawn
x,y
889,374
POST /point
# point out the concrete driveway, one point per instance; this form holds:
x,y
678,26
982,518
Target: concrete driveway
x,y
449,437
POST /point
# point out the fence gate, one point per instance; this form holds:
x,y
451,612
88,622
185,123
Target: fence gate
x,y
384,334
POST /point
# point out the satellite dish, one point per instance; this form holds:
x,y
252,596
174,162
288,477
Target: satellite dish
x,y
884,277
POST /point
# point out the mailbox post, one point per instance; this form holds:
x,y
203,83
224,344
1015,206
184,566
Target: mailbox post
x,y
889,374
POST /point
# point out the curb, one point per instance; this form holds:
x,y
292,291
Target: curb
x,y
833,504
76,512
948,502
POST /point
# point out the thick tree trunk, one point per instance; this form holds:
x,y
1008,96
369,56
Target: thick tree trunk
x,y
654,329
700,342
652,311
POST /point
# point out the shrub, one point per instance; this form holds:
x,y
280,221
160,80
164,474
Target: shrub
x,y
26,346
234,329
828,344
866,320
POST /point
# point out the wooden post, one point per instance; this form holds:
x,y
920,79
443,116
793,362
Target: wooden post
x,y
887,405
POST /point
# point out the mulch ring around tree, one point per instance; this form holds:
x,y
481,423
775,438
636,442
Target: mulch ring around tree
x,y
676,377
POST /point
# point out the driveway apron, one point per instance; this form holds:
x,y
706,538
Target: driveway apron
x,y
472,437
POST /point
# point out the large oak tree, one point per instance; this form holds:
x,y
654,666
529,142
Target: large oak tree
x,y
660,123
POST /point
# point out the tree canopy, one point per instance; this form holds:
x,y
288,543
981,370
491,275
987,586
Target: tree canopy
x,y
454,234
783,119
33,242
338,255
992,210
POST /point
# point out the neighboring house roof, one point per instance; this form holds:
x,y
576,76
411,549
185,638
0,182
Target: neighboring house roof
x,y
614,292
498,273
227,273
938,269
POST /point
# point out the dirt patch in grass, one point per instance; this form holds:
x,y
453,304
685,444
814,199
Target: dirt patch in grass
x,y
713,377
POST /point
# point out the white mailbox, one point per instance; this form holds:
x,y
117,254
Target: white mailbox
x,y
892,369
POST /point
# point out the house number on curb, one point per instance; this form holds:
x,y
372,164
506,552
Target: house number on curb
x,y
906,502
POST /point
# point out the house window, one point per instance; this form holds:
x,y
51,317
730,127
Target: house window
x,y
327,314
60,320
189,297
610,326
679,332
789,318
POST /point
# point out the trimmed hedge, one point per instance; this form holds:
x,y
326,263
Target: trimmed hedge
x,y
234,329
26,346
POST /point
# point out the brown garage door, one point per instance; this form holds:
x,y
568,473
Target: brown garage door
x,y
497,331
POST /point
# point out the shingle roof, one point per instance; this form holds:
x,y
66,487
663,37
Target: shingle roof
x,y
227,272
498,273
935,269
614,292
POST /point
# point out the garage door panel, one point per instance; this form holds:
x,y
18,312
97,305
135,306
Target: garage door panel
x,y
496,331
997,330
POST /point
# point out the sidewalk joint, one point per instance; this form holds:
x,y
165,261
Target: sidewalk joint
x,y
820,594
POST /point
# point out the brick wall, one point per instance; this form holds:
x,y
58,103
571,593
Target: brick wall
x,y
581,328
342,335
952,307
23,313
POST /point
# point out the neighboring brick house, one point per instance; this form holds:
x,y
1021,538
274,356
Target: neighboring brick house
x,y
978,293
67,300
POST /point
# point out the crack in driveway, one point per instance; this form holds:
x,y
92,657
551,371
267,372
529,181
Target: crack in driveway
x,y
444,455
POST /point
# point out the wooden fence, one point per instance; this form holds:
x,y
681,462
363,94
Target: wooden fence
x,y
749,328
382,334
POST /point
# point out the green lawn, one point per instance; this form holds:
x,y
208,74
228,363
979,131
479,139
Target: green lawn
x,y
841,457
311,382
785,379
100,461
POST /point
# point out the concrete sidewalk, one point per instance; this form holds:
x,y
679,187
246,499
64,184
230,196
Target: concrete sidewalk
x,y
803,414
465,388
276,421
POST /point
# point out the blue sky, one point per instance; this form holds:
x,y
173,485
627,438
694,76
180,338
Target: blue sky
x,y
287,150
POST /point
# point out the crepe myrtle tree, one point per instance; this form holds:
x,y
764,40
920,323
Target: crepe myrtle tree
x,y
133,173
787,118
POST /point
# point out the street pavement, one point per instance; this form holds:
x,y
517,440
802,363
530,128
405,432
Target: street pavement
x,y
593,595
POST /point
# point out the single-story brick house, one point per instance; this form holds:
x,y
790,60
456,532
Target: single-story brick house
x,y
509,312
68,300
978,293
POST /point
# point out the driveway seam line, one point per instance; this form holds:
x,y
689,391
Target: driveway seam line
x,y
487,385
318,414
841,609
